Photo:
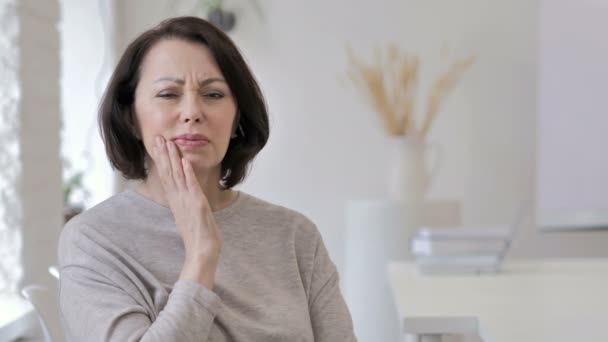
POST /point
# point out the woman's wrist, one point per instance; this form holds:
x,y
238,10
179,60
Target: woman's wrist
x,y
201,271
204,252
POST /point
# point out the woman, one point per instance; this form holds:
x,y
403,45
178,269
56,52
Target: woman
x,y
183,256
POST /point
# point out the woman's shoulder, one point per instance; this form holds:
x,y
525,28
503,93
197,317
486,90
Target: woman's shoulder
x,y
110,208
95,215
110,217
112,226
263,207
269,214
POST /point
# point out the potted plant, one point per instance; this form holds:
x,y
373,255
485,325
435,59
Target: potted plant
x,y
390,87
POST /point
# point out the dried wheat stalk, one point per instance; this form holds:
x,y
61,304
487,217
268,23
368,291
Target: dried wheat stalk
x,y
391,85
441,89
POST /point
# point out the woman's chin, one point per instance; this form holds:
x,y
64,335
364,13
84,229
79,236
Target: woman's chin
x,y
200,163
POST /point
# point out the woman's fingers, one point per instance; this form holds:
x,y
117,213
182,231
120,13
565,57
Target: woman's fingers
x,y
176,173
176,166
163,164
190,178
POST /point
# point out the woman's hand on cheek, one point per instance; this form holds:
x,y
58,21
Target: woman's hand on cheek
x,y
189,205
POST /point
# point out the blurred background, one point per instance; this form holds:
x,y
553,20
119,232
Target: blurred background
x,y
521,131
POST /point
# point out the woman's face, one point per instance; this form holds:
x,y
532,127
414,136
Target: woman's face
x,y
183,97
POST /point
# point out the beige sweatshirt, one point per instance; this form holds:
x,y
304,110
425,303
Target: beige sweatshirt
x,y
120,263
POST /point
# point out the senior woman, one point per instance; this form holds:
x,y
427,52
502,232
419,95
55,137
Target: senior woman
x,y
182,256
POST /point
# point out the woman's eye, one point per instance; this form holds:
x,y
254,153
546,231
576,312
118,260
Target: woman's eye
x,y
166,95
214,95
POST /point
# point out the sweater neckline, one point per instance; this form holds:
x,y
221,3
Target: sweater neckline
x,y
219,215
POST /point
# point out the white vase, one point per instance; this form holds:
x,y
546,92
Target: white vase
x,y
413,165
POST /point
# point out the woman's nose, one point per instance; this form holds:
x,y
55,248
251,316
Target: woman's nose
x,y
193,109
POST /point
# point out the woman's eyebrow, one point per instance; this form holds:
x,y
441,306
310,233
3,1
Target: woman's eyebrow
x,y
182,82
170,79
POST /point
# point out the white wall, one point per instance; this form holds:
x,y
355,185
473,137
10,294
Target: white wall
x,y
326,146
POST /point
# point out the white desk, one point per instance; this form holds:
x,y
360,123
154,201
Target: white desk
x,y
530,301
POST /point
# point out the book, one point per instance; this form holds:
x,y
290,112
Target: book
x,y
459,264
490,232
445,247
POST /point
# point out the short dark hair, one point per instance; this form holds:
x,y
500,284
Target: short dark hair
x,y
126,151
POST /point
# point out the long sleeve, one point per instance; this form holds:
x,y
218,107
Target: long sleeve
x,y
102,300
330,318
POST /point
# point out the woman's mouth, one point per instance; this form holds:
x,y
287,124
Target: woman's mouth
x,y
191,140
